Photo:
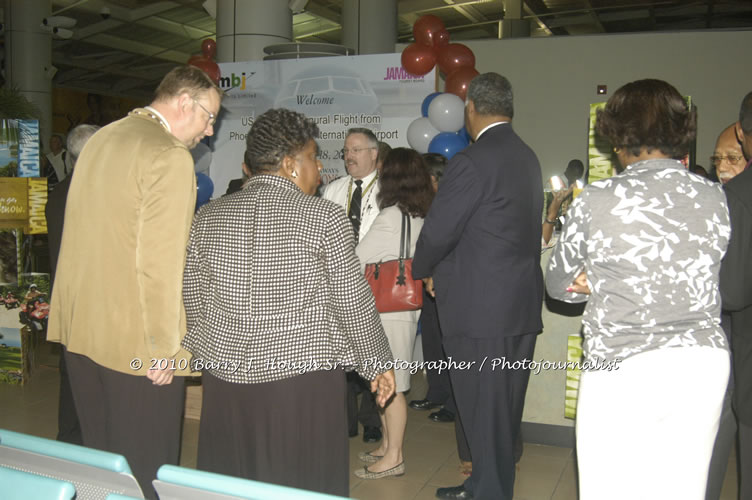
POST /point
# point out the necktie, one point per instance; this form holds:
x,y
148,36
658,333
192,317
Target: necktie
x,y
355,200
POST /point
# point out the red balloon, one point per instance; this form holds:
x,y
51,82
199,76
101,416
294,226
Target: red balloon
x,y
455,56
458,81
440,39
195,58
425,28
209,48
209,67
418,59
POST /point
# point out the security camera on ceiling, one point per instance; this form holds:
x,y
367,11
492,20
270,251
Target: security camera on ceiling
x,y
59,22
50,71
62,33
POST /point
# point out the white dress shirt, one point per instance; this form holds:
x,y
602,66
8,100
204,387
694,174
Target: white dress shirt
x,y
340,191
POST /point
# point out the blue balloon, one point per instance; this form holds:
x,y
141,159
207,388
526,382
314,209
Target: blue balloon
x,y
465,134
427,102
204,189
447,144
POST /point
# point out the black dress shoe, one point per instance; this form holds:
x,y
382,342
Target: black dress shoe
x,y
454,492
442,415
423,404
371,434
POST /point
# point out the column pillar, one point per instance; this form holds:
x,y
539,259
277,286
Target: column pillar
x,y
245,27
369,26
28,57
513,26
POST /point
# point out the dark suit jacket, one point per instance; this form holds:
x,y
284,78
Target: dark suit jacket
x,y
481,240
55,212
736,289
234,186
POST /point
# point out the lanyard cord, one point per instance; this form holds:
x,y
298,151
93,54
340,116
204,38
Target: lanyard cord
x,y
365,191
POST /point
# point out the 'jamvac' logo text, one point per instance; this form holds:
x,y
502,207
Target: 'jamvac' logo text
x,y
399,73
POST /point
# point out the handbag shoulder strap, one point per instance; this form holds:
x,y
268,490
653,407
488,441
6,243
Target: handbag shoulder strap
x,y
405,237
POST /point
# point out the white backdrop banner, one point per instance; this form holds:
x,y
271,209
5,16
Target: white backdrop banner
x,y
338,93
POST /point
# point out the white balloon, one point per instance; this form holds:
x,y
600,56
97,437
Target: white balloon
x,y
447,112
419,134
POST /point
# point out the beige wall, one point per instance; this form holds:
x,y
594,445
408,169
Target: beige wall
x,y
544,403
555,79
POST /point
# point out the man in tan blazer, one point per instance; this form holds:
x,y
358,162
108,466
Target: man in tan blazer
x,y
117,302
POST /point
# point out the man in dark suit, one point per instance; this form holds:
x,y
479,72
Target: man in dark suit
x,y
236,185
68,426
481,246
736,290
55,209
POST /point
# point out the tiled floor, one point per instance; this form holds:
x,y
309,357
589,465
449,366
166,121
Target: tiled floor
x,y
545,472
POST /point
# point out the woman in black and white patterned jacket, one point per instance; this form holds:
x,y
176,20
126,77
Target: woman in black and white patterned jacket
x,y
277,308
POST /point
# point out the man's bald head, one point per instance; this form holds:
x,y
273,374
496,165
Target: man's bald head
x,y
728,157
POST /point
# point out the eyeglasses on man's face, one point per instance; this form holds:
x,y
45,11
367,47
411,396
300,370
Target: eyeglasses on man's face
x,y
731,159
355,151
212,116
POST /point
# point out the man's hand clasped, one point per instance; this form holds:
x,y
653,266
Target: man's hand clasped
x,y
160,376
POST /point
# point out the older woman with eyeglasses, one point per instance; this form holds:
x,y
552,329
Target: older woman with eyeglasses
x,y
644,249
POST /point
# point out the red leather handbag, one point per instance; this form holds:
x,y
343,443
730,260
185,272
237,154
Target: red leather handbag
x,y
392,281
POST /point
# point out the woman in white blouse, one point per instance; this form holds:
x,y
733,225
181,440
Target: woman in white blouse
x,y
405,188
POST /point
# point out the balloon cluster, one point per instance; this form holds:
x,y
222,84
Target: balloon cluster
x,y
205,61
440,128
456,61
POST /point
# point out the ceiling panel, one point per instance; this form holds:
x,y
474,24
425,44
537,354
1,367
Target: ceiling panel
x,y
128,53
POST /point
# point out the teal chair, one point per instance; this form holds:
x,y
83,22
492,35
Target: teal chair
x,y
179,483
93,473
19,485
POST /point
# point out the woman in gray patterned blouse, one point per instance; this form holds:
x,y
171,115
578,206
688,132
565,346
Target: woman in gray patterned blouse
x,y
644,249
277,307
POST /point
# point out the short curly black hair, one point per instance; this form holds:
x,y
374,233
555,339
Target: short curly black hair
x,y
275,134
648,114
